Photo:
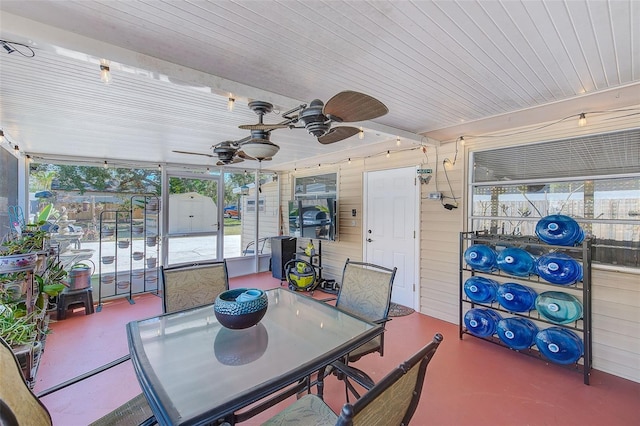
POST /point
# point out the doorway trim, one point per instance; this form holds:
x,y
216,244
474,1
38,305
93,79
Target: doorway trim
x,y
416,226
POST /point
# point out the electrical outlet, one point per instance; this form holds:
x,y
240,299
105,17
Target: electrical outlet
x,y
435,195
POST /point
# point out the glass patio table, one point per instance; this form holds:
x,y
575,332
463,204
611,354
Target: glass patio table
x,y
194,371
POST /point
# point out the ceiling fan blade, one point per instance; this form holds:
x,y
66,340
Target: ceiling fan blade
x,y
350,106
264,127
225,163
194,153
337,134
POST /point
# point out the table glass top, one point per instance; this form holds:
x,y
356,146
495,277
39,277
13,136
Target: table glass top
x,y
194,364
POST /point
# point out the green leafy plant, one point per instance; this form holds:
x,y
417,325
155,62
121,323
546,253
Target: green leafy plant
x,y
51,281
31,239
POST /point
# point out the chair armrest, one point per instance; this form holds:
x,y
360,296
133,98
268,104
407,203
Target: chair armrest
x,y
358,376
382,321
84,376
330,299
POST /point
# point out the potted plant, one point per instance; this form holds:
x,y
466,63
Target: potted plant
x,y
20,251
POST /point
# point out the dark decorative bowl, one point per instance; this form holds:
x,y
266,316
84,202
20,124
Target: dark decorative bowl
x,y
240,308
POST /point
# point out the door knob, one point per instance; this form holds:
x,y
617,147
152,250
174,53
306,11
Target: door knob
x,y
369,240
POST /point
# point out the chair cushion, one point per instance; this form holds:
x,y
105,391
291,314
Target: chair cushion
x,y
308,411
133,412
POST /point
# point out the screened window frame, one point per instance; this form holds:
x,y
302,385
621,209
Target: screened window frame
x,y
608,251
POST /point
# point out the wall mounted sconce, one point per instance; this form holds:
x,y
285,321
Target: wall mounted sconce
x,y
582,120
105,71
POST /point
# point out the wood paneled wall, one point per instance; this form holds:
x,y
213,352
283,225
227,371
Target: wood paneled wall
x,y
616,294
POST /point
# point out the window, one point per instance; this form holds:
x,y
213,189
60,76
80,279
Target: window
x,y
594,179
313,212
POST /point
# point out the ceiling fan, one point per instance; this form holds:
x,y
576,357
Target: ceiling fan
x,y
345,107
317,118
255,147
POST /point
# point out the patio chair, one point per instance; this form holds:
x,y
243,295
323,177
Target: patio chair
x,y
390,402
190,285
366,292
20,406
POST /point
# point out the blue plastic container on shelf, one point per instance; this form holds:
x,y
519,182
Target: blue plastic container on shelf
x,y
559,268
559,230
559,307
481,257
516,297
560,345
481,322
481,289
517,333
516,261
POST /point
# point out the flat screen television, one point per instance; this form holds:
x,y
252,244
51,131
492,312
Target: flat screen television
x,y
314,218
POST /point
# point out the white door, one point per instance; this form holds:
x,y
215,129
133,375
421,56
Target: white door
x,y
390,238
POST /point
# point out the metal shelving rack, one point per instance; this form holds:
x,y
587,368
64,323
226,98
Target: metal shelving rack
x,y
582,326
126,227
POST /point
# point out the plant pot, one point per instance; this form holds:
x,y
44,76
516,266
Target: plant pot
x,y
151,241
137,255
107,279
108,260
14,290
137,229
123,244
17,262
151,262
123,285
107,232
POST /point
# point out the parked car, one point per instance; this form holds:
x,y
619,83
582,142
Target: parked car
x,y
231,211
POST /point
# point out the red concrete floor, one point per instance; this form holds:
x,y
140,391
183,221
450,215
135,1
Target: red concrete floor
x,y
469,382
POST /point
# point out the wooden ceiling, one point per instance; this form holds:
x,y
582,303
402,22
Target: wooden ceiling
x,y
443,68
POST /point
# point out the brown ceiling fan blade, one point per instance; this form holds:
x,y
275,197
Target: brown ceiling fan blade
x,y
194,153
264,127
242,154
337,134
350,106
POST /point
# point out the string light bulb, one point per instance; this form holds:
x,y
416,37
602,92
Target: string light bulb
x,y
388,154
160,167
361,133
349,161
397,140
230,103
582,120
319,165
105,165
105,71
16,149
462,140
1,136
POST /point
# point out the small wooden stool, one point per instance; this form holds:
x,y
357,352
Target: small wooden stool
x,y
75,297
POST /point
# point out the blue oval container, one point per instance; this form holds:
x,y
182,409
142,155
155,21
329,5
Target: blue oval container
x,y
517,333
559,268
516,261
560,345
559,307
481,322
481,257
559,230
516,297
481,289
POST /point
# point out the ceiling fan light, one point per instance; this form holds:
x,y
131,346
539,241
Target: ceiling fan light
x,y
260,150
